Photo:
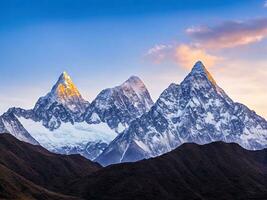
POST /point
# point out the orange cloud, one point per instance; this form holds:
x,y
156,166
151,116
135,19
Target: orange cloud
x,y
187,56
184,55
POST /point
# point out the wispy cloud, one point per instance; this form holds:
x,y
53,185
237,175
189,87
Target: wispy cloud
x,y
159,52
265,4
229,34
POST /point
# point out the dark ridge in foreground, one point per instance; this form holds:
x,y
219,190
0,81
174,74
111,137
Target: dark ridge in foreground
x,y
221,171
213,171
14,186
39,166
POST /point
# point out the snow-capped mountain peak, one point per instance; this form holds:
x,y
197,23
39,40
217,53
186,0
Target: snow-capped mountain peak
x,y
63,103
135,86
199,68
201,79
120,105
65,92
133,81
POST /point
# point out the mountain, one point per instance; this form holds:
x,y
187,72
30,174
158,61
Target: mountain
x,y
120,105
63,103
14,186
57,123
227,170
198,111
33,167
63,122
10,124
213,171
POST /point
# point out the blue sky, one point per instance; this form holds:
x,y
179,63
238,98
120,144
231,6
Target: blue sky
x,y
101,43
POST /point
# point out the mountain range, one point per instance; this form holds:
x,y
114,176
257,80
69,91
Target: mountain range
x,y
198,111
212,171
123,124
63,122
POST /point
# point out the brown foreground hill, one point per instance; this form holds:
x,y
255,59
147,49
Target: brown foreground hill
x,y
213,171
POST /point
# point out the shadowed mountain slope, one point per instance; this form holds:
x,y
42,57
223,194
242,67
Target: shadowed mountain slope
x,y
213,171
14,186
40,166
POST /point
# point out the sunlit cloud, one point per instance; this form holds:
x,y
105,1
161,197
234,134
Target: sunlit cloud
x,y
244,81
204,39
229,34
184,55
187,55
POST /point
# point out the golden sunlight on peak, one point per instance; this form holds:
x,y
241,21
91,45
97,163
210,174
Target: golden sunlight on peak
x,y
210,78
69,90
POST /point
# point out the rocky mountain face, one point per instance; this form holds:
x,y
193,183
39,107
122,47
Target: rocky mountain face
x,y
10,124
63,103
120,105
198,111
63,122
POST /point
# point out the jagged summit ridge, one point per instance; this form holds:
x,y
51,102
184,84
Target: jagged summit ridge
x,y
120,105
133,81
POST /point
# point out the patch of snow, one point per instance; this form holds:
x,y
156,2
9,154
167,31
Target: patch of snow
x,y
209,118
142,145
94,117
120,128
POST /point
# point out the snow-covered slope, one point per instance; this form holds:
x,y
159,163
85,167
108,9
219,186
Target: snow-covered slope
x,y
197,110
87,140
10,124
120,105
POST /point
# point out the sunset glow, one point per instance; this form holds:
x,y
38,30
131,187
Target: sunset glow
x,y
158,43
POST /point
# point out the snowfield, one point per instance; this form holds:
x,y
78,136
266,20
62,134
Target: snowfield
x,y
68,134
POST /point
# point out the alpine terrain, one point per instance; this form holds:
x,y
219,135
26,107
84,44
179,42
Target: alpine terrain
x,y
198,111
64,122
120,105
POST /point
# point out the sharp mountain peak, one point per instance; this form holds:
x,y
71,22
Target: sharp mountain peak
x,y
65,91
133,81
65,87
199,68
